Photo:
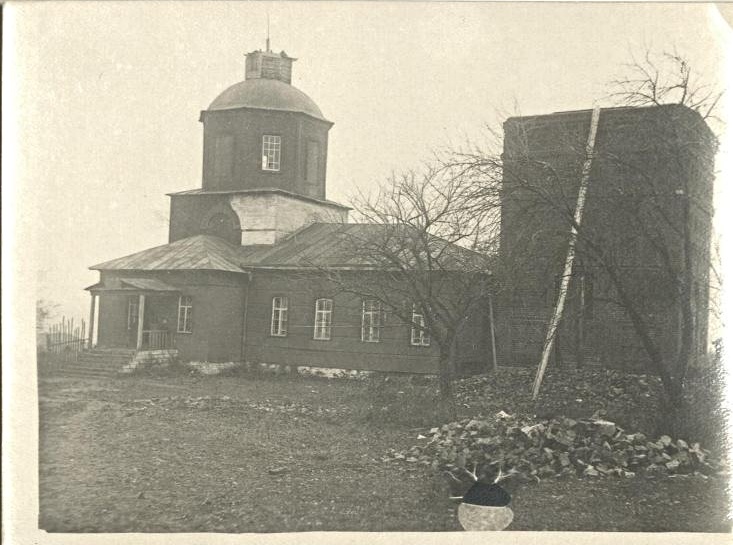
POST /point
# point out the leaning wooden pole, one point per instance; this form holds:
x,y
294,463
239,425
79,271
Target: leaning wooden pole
x,y
494,365
565,281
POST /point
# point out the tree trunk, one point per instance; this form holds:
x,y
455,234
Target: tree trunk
x,y
641,329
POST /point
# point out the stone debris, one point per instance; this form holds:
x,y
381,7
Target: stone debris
x,y
534,450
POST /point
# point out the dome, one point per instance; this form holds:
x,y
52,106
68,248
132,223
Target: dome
x,y
266,94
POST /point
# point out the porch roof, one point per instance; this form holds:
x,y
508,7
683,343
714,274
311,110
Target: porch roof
x,y
133,284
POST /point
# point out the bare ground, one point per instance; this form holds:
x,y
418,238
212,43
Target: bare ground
x,y
272,454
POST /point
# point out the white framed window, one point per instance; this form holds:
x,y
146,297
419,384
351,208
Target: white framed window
x,y
279,322
322,324
132,311
418,335
371,320
185,314
271,153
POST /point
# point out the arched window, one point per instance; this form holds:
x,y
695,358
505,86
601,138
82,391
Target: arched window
x,y
223,225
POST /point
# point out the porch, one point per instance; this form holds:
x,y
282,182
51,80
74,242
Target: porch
x,y
139,313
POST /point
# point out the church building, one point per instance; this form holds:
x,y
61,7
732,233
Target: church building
x,y
240,279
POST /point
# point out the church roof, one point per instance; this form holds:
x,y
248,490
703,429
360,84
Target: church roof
x,y
200,252
266,94
359,246
318,245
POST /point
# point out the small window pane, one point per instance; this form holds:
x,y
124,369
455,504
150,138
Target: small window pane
x,y
324,312
371,320
185,314
271,153
418,335
279,322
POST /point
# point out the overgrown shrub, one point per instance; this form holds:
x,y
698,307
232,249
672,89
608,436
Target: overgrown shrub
x,y
705,417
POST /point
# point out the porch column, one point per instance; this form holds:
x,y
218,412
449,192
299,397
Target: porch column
x,y
140,318
91,320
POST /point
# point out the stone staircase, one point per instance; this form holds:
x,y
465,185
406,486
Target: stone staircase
x,y
99,363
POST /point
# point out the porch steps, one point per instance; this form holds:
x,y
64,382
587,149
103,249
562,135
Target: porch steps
x,y
99,363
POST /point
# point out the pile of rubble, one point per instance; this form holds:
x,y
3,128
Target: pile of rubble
x,y
554,447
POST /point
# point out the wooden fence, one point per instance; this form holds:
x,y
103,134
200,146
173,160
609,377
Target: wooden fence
x,y
66,338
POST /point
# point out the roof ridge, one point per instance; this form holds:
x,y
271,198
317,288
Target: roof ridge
x,y
211,253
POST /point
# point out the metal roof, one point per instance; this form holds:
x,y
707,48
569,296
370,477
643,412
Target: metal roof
x,y
132,284
266,94
359,246
201,252
318,245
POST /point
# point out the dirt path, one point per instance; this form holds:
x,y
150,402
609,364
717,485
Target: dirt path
x,y
189,463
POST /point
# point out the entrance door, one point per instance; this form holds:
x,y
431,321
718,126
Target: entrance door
x,y
133,309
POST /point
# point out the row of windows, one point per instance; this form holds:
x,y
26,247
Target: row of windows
x,y
185,313
372,321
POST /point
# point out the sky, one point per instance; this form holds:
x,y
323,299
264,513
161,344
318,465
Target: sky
x,y
103,99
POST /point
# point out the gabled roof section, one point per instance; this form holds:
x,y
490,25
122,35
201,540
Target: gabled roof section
x,y
361,246
201,252
356,246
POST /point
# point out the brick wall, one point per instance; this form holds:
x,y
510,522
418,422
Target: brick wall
x,y
647,161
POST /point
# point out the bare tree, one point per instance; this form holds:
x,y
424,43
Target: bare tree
x,y
665,78
422,236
